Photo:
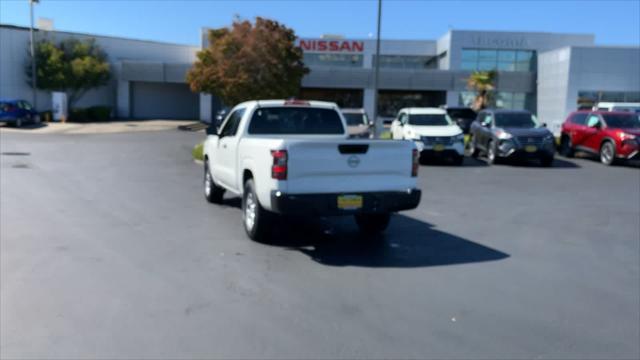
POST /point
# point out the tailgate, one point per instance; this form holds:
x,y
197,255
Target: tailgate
x,y
343,166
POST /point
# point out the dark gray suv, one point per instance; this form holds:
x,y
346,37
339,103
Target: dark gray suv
x,y
502,134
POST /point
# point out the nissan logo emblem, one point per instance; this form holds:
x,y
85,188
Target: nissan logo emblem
x,y
353,161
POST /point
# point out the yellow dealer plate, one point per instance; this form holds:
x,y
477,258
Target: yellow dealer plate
x,y
530,148
438,147
349,202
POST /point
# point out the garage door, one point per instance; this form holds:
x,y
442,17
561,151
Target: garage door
x,y
154,100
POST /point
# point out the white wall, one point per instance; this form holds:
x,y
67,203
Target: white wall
x,y
564,72
14,47
511,40
553,80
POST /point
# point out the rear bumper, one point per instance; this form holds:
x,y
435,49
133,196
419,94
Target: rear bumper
x,y
327,204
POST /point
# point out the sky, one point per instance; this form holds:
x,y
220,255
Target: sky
x,y
613,22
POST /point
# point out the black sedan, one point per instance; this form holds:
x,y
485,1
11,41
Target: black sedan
x,y
502,134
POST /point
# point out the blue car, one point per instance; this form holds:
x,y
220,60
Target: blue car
x,y
18,112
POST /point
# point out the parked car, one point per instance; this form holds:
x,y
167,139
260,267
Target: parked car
x,y
18,112
433,130
293,157
617,106
502,134
462,116
358,124
611,135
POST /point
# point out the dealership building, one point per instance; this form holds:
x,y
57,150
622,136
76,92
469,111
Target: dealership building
x,y
550,74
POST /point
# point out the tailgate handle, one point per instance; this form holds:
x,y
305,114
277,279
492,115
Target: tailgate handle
x,y
353,148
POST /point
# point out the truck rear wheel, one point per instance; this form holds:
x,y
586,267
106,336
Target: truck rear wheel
x,y
256,220
372,223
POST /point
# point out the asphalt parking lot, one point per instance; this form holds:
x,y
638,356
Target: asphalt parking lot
x,y
109,250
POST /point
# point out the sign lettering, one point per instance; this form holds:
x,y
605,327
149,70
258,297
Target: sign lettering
x,y
332,45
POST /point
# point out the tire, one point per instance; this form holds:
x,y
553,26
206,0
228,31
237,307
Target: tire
x,y
492,157
35,120
458,160
371,224
212,192
566,149
256,220
473,149
608,153
18,123
546,161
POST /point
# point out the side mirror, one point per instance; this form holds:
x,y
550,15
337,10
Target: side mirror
x,y
596,126
212,130
544,125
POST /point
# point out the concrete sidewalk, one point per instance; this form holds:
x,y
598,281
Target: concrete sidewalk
x,y
99,127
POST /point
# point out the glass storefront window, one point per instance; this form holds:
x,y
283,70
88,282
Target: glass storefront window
x,y
487,55
633,96
612,96
502,60
391,101
470,55
486,65
469,65
588,99
406,62
502,100
345,98
331,59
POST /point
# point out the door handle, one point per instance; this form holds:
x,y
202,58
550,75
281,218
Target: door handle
x,y
224,146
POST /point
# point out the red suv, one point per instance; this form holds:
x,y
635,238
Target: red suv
x,y
611,135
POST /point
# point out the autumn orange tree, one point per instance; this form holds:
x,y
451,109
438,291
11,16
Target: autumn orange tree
x,y
249,61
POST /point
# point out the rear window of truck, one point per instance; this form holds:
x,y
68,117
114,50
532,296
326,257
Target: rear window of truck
x,y
295,120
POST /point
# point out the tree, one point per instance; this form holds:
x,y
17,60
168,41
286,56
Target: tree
x,y
249,61
72,66
483,83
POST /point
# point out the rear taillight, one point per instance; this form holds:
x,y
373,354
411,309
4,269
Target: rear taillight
x,y
279,167
415,162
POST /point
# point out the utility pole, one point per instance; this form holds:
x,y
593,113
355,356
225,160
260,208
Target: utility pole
x,y
34,81
379,124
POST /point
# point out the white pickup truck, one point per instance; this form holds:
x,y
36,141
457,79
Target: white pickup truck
x,y
293,157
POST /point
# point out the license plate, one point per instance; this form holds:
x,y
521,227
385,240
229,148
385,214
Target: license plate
x,y
438,147
530,148
349,202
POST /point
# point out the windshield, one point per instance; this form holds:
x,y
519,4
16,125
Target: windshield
x,y
295,120
355,119
429,120
462,113
622,121
516,120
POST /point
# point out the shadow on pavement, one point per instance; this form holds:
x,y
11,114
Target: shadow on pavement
x,y
26,126
557,163
468,162
407,243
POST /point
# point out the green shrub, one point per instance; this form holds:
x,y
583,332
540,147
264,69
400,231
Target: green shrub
x,y
46,116
99,113
198,152
94,113
78,115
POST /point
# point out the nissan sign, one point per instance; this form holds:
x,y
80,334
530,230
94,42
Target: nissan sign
x,y
332,45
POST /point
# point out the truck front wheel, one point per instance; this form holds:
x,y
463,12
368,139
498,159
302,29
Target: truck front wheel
x,y
256,220
371,224
212,192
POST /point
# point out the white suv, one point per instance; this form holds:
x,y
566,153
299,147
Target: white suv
x,y
434,132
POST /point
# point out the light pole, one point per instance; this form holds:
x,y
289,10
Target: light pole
x,y
378,123
34,81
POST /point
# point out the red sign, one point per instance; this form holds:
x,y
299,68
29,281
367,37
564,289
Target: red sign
x,y
332,45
